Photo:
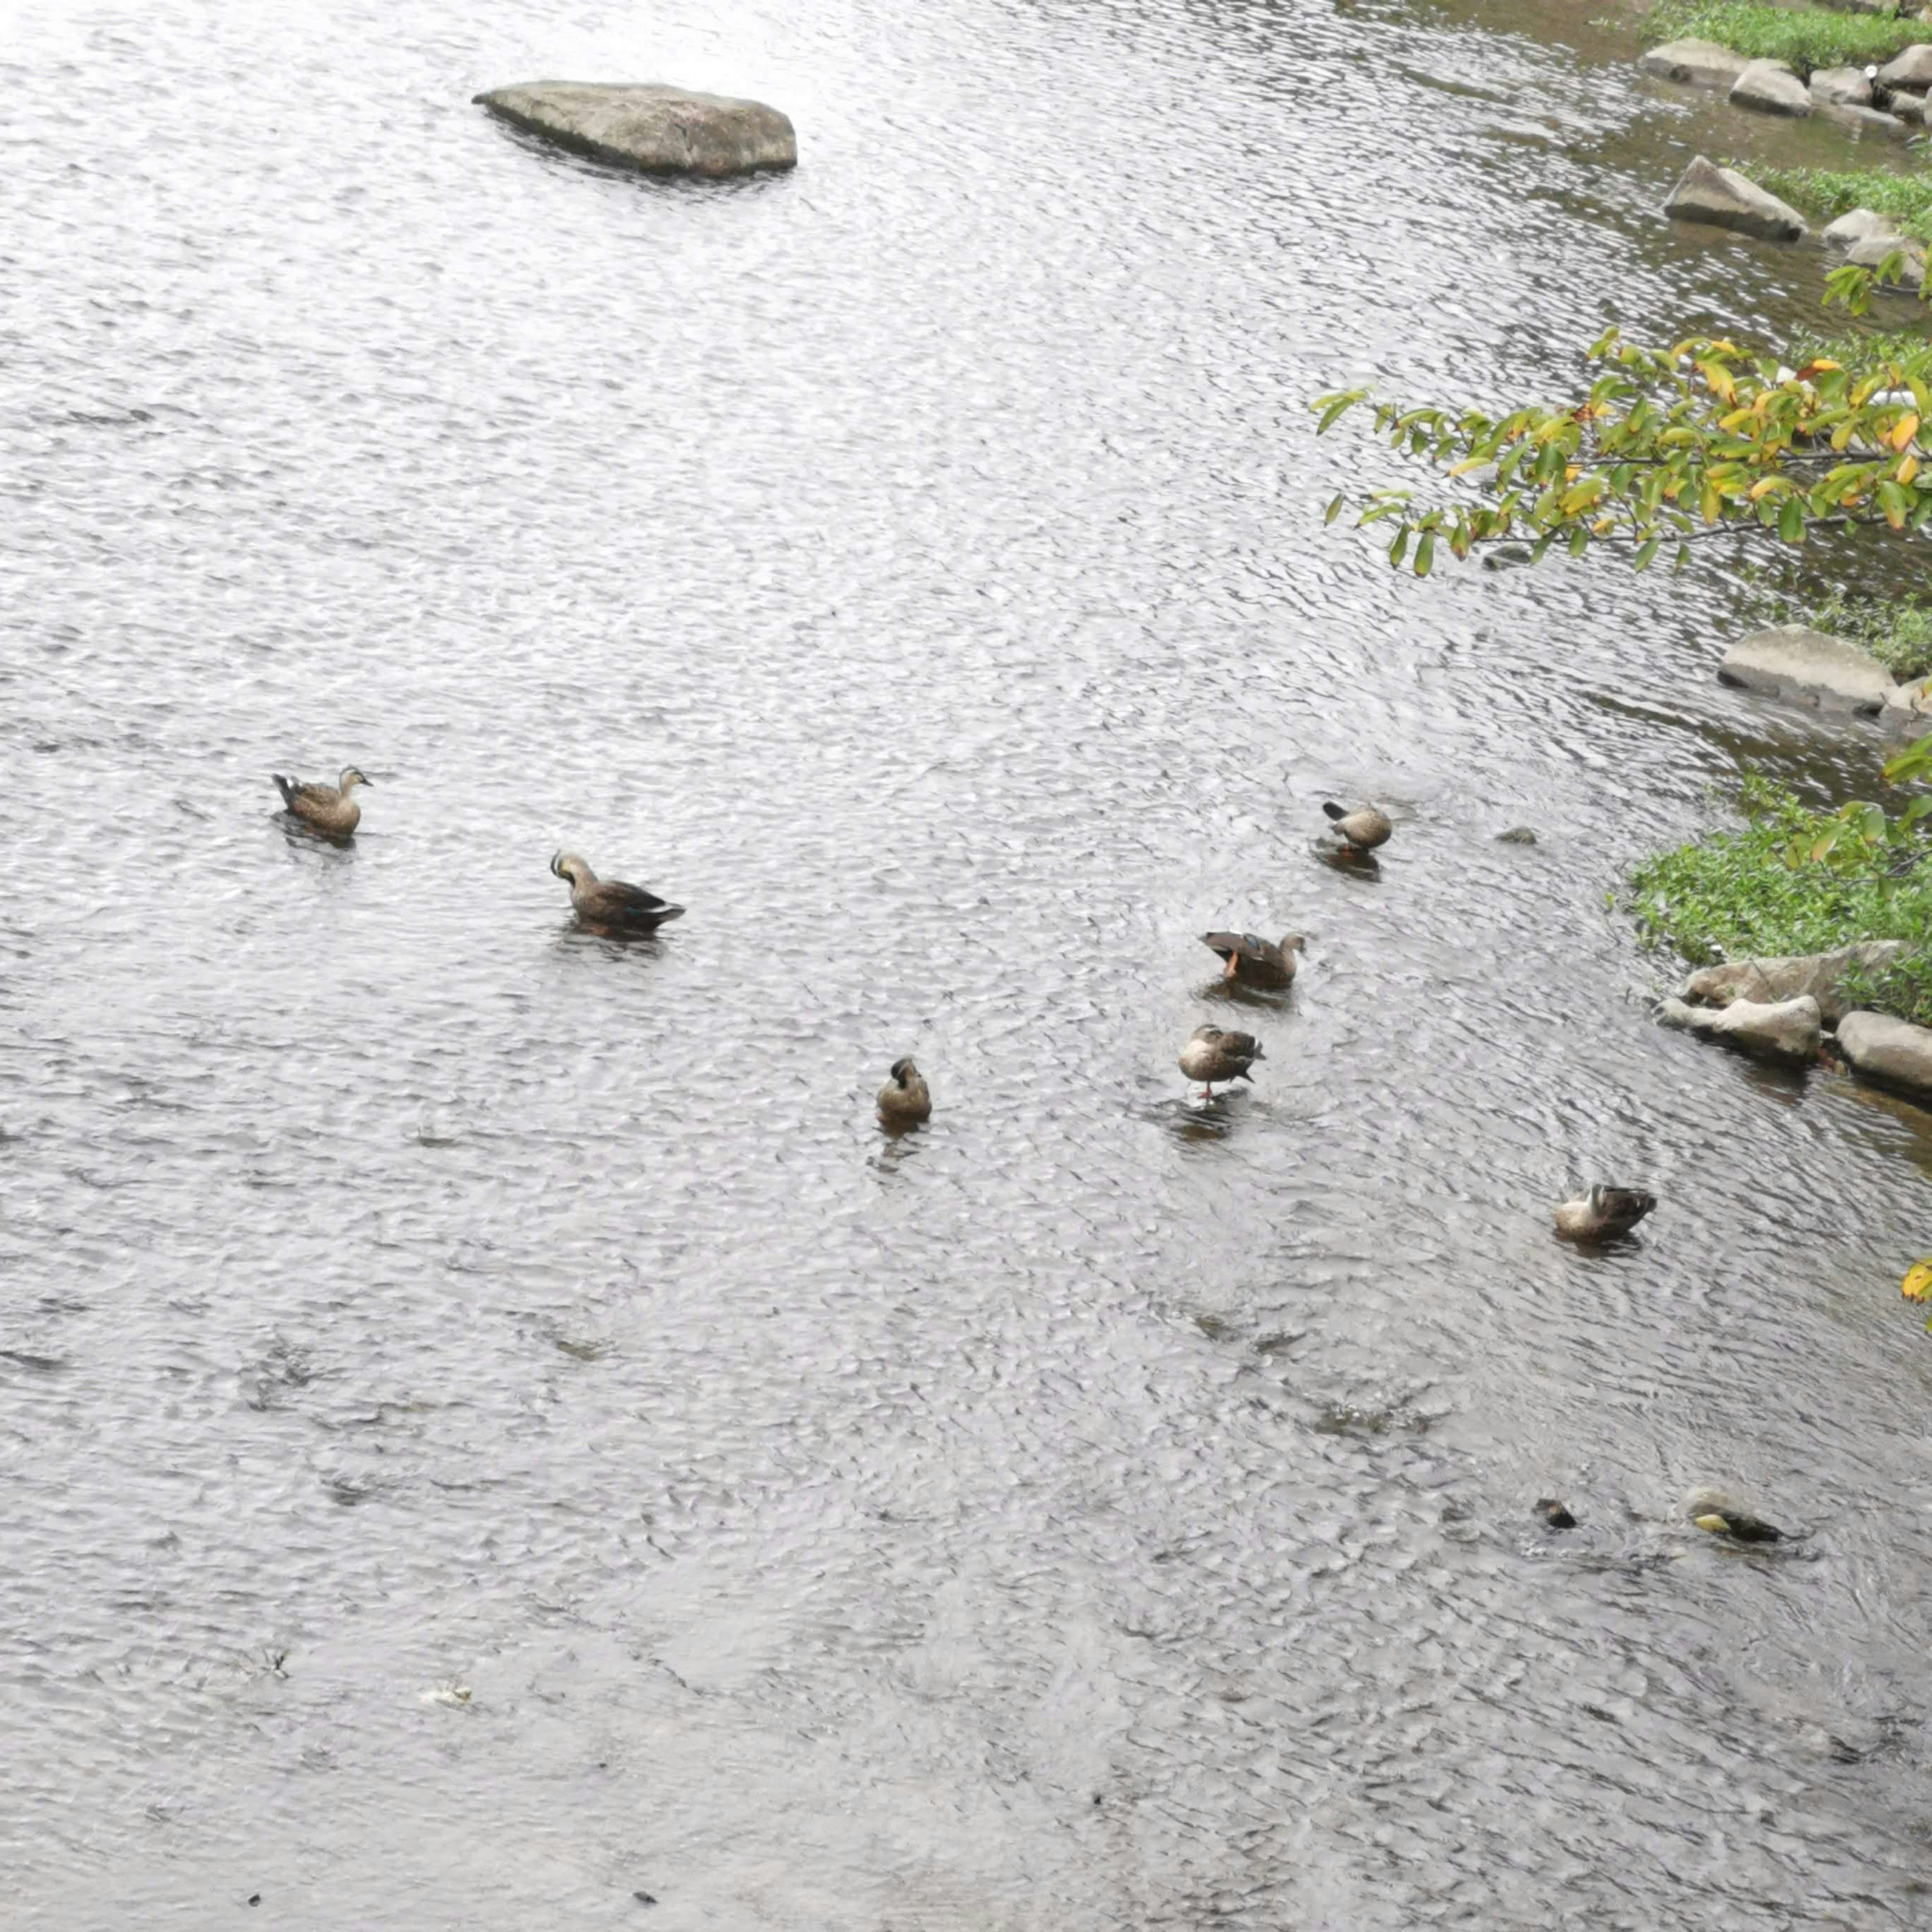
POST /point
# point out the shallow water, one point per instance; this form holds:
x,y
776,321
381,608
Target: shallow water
x,y
1093,1510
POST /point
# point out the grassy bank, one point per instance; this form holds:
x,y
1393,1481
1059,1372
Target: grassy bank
x,y
1897,630
1830,192
1735,895
1806,40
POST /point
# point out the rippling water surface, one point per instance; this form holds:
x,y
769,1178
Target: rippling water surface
x,y
1093,1510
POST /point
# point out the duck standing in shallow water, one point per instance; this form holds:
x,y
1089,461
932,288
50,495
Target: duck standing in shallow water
x,y
904,1100
1252,961
1364,827
610,905
1603,1214
1211,1054
328,809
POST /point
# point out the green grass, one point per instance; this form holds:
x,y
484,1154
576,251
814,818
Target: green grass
x,y
1831,192
1732,895
1807,40
1897,630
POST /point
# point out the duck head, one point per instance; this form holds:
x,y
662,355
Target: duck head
x,y
568,866
351,779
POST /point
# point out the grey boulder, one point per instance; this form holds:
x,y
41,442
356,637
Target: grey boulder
x,y
1840,87
1702,63
1907,105
660,129
1912,68
1867,121
1808,666
1723,198
1771,87
1817,976
1908,710
1874,248
1892,1050
1855,226
1789,1029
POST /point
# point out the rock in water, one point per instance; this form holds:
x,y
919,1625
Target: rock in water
x,y
1702,63
1722,197
1841,87
1867,121
1808,667
1858,226
1892,1050
665,130
1789,1030
1771,87
1772,981
1874,248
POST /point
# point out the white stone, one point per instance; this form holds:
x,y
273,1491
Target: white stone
x,y
661,130
1912,68
1789,1029
1807,666
1771,87
1855,226
1883,1049
1702,63
1772,980
1841,86
1724,198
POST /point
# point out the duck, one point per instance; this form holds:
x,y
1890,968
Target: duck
x,y
1211,1054
1253,961
328,809
1603,1214
1713,1512
610,905
904,1100
1364,827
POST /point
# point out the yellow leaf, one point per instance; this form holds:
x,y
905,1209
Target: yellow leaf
x,y
1917,1286
1908,470
1759,491
1571,472
1817,364
1906,428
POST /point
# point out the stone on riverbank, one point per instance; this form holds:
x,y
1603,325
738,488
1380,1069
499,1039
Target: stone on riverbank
x,y
1840,87
1912,68
1724,198
657,129
1808,666
1771,87
1818,976
1907,105
1868,121
1701,63
1908,709
1855,226
1788,1031
1874,248
1882,1049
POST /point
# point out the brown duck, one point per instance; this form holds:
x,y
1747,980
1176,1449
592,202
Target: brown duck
x,y
1211,1054
328,807
1252,961
904,1100
610,905
1364,827
1603,1214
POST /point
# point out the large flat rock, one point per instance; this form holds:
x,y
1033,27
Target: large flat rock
x,y
1787,1030
1841,86
1771,981
1883,1049
662,130
1700,63
1771,87
1808,666
1724,198
1858,225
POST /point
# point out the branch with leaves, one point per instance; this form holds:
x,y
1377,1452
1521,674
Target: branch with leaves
x,y
1678,445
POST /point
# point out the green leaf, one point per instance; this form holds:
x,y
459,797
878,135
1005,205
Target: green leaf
x,y
1425,553
1399,548
1579,541
1334,510
1646,551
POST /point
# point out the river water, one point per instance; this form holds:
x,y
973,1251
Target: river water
x,y
1094,1510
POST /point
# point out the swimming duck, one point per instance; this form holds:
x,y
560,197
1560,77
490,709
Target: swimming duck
x,y
1364,827
1254,962
1211,1054
328,807
609,905
1603,1212
903,1100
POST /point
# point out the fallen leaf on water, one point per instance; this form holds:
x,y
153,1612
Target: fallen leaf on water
x,y
1917,1286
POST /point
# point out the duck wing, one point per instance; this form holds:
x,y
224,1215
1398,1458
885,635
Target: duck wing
x,y
612,902
1625,1207
296,794
1241,946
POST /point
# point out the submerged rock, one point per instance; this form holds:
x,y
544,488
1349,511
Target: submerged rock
x,y
1771,981
1789,1029
1717,1511
1840,87
1702,63
1771,87
1882,1049
1856,226
660,129
1867,121
1907,105
1724,198
1808,666
1912,68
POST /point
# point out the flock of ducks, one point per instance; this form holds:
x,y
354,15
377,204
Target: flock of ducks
x,y
1211,1053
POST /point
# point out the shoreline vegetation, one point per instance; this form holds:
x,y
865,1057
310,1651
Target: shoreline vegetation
x,y
1805,41
1828,192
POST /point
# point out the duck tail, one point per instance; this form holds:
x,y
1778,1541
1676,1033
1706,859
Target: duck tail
x,y
1334,811
286,786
